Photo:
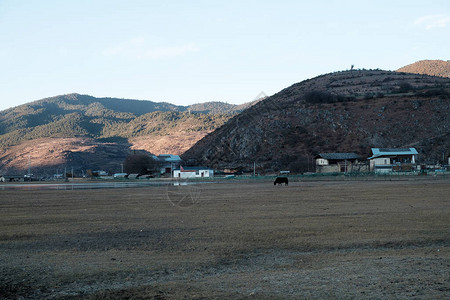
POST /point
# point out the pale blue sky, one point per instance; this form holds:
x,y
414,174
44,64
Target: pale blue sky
x,y
187,52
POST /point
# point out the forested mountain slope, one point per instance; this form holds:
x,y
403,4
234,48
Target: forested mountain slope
x,y
107,122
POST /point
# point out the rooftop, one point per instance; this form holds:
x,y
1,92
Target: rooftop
x,y
338,156
169,157
194,168
393,149
377,152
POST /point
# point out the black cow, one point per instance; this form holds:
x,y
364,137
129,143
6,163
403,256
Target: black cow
x,y
281,180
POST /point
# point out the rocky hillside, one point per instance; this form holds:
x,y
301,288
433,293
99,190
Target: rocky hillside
x,y
48,156
428,67
83,131
349,111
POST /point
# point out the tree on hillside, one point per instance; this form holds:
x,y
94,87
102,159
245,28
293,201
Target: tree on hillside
x,y
139,163
405,87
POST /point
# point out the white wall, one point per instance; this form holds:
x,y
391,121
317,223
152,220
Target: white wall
x,y
379,161
193,174
321,161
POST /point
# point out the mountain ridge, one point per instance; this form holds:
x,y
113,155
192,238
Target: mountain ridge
x,y
83,115
82,101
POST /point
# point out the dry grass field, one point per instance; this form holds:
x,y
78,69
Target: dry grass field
x,y
230,240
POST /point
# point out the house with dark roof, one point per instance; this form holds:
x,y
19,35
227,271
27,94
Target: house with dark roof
x,y
387,160
339,162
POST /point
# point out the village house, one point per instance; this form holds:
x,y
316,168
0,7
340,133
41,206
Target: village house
x,y
11,178
193,172
168,163
337,162
386,160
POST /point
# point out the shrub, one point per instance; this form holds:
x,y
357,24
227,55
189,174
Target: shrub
x,y
368,96
319,97
405,87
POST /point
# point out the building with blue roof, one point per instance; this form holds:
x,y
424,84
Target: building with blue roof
x,y
386,160
168,162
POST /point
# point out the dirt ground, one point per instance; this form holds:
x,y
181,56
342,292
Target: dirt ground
x,y
229,240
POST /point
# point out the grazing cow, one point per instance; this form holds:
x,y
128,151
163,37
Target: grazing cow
x,y
281,180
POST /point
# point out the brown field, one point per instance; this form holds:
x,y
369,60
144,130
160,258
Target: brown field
x,y
231,240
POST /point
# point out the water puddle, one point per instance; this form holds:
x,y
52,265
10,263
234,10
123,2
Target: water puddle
x,y
93,185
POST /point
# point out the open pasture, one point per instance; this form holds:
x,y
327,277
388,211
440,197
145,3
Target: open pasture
x,y
230,240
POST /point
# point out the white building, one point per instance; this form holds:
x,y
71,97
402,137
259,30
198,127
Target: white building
x,y
393,160
193,172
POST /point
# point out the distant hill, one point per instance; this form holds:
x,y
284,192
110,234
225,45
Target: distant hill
x,y
349,111
439,68
118,125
